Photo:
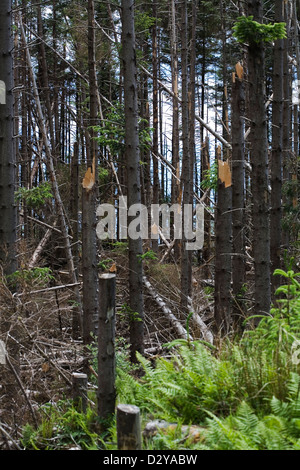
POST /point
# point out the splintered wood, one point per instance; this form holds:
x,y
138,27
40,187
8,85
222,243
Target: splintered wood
x,y
224,173
89,177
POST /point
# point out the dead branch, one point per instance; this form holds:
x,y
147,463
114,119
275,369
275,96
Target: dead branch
x,y
181,331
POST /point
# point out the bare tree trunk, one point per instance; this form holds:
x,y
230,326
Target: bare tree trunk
x,y
206,251
50,167
155,199
8,213
186,267
175,184
276,159
259,163
133,176
89,199
106,346
223,227
44,76
238,196
286,141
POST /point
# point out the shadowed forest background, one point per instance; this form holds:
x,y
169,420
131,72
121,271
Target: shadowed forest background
x,y
180,102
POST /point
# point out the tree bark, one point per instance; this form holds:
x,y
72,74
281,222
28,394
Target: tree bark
x,y
129,434
223,227
238,197
286,138
156,186
106,346
89,199
175,182
8,214
186,267
259,163
276,157
51,169
133,176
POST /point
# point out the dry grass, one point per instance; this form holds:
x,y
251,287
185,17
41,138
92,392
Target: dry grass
x,y
37,331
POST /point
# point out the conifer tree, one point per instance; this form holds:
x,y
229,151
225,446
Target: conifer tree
x,y
132,154
8,219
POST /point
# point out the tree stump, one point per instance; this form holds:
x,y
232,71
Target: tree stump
x,y
106,345
128,427
79,391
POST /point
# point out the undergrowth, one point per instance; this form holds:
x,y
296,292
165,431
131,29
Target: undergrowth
x,y
242,395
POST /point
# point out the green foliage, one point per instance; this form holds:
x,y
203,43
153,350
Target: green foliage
x,y
246,30
245,430
281,328
210,177
143,22
181,388
149,255
36,197
112,131
128,314
120,247
63,427
104,264
103,176
245,395
28,277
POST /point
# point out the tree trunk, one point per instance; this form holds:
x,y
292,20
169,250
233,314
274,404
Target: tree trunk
x,y
186,268
133,176
276,158
89,199
238,196
155,199
106,346
223,244
175,184
259,163
8,214
50,166
286,141
223,228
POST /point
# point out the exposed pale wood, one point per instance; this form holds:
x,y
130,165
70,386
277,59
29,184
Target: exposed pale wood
x,y
129,427
181,331
39,249
48,289
79,389
191,432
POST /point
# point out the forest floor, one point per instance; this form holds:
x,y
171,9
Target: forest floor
x,y
40,331
239,392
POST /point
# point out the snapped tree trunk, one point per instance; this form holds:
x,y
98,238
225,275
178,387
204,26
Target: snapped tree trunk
x,y
133,177
89,200
223,228
238,194
223,244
